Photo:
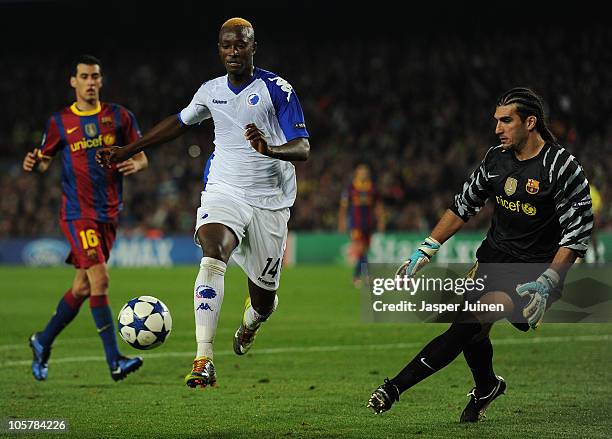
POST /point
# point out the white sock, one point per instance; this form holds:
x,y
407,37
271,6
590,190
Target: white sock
x,y
252,319
207,300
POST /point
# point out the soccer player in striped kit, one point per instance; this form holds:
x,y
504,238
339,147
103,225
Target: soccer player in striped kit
x,y
362,206
542,221
90,206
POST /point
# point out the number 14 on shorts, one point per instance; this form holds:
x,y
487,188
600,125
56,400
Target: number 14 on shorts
x,y
270,268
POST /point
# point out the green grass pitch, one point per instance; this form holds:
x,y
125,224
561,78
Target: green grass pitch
x,y
309,373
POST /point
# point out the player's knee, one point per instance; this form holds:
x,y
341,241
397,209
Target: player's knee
x,y
215,250
495,306
81,290
80,286
101,284
98,279
217,241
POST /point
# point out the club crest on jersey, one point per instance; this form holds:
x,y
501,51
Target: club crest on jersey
x,y
510,186
91,129
108,139
107,121
533,186
253,99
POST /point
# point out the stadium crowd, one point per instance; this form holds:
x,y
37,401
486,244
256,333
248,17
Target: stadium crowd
x,y
417,109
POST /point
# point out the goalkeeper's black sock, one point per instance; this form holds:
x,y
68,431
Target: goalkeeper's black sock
x,y
436,355
479,357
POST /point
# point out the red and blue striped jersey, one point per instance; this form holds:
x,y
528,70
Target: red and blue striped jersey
x,y
88,190
361,199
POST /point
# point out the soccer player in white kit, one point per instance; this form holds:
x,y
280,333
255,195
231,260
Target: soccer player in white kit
x,y
249,186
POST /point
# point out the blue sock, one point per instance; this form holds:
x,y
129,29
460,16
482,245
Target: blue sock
x,y
67,309
106,327
360,268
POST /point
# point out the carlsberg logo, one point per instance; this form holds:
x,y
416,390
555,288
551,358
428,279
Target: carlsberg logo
x,y
284,85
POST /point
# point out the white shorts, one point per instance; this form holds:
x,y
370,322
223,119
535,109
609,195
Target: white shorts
x,y
261,233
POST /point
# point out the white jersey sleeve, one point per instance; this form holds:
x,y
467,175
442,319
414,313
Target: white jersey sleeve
x,y
196,111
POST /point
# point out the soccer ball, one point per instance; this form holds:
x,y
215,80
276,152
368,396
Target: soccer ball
x,y
144,322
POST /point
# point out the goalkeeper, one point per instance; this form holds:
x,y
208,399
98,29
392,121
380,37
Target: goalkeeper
x,y
542,222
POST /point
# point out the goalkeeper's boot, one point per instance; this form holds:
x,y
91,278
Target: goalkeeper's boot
x,y
40,360
475,409
244,337
124,366
202,374
383,397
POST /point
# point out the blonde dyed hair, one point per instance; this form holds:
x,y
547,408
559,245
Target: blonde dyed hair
x,y
237,21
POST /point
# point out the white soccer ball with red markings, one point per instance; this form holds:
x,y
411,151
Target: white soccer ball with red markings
x,y
144,322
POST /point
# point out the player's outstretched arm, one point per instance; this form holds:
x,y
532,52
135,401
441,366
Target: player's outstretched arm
x,y
168,129
35,161
449,224
296,150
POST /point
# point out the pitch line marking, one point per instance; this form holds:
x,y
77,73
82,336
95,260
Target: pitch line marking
x,y
315,349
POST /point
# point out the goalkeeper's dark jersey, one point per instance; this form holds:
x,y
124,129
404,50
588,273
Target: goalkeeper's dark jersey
x,y
540,204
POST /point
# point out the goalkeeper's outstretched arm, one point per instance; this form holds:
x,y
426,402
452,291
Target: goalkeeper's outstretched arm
x,y
466,204
447,226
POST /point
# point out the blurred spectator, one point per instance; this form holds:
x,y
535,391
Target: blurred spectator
x,y
417,109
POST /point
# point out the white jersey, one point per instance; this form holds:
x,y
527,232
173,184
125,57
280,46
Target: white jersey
x,y
235,168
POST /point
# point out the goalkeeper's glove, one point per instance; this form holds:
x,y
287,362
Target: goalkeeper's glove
x,y
539,290
419,258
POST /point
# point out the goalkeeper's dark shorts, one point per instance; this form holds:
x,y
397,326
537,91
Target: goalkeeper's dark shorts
x,y
506,277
